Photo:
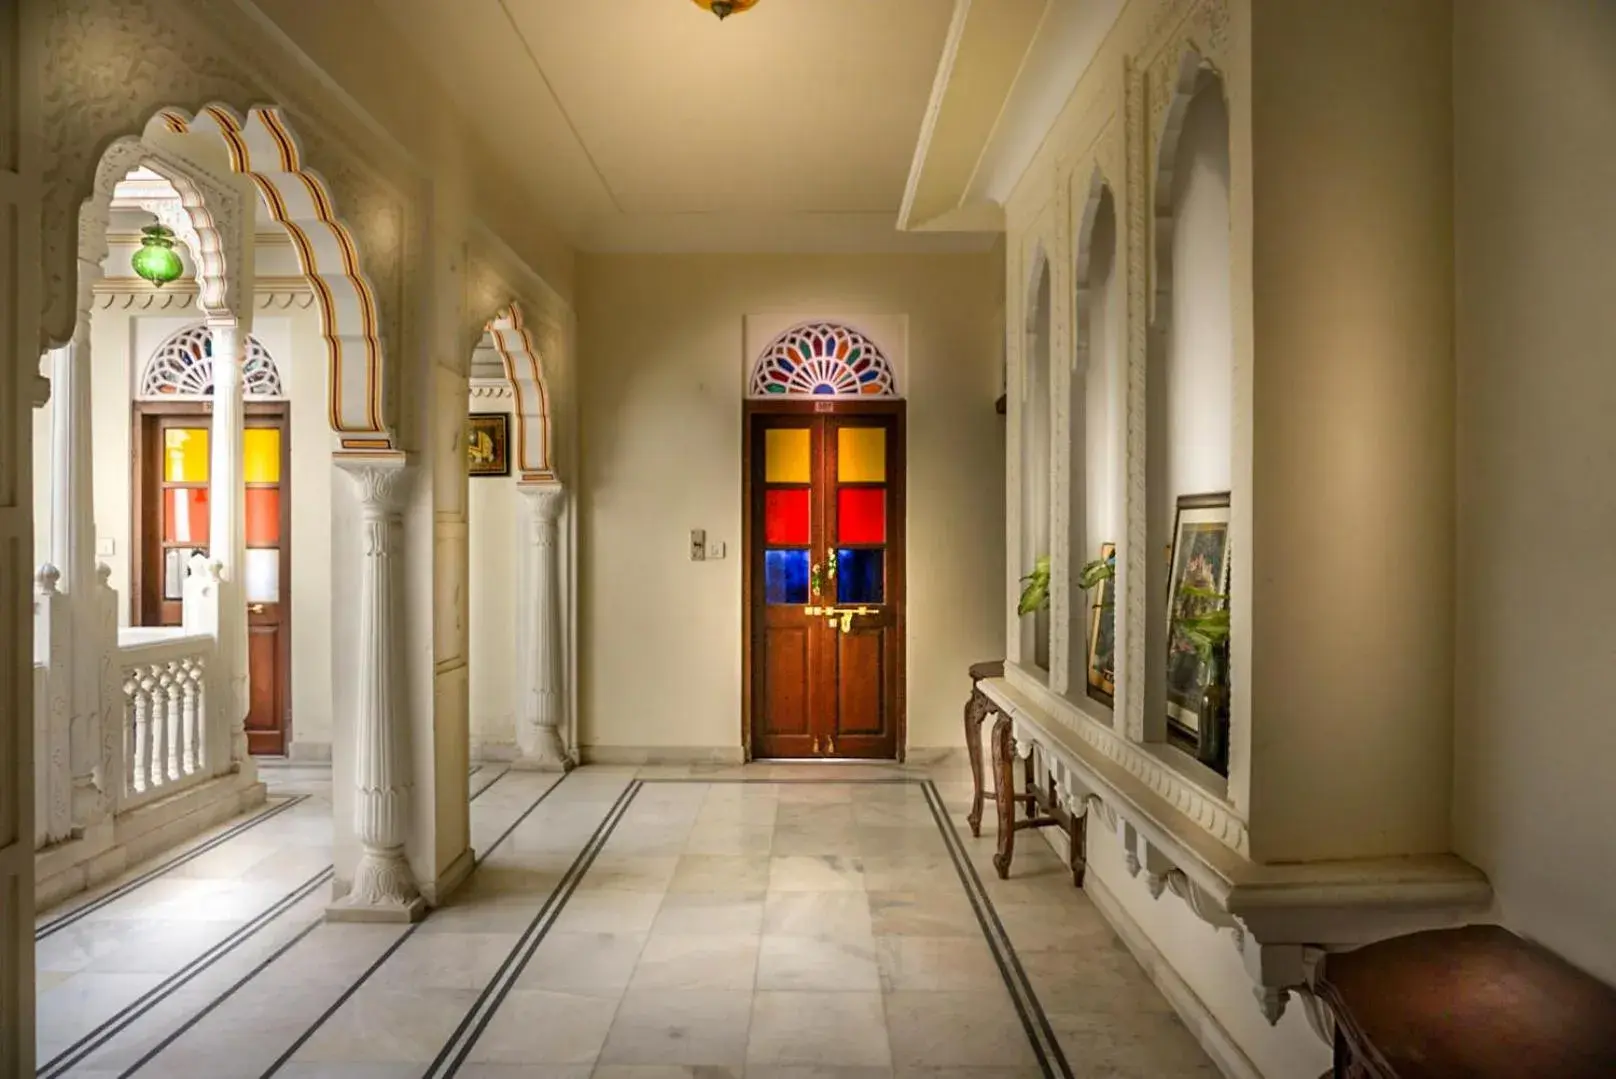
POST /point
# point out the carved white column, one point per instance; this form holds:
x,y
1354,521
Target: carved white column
x,y
73,553
227,540
384,888
538,636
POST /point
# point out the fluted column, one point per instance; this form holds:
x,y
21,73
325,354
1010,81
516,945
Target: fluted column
x,y
227,539
73,553
538,638
384,887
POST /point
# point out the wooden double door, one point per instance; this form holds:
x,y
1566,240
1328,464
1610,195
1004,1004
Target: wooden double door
x,y
173,495
825,579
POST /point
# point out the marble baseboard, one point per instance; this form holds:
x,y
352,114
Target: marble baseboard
x,y
492,752
934,754
662,754
1213,1036
300,752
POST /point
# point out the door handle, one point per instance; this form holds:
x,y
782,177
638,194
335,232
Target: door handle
x,y
830,747
255,608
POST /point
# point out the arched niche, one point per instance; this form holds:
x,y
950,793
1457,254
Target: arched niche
x,y
1036,456
510,337
1093,426
1190,360
263,147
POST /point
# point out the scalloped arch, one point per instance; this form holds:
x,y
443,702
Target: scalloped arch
x,y
263,148
525,370
822,359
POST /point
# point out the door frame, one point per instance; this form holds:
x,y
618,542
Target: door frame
x,y
752,409
146,522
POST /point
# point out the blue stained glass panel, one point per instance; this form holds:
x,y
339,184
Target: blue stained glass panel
x,y
785,576
860,575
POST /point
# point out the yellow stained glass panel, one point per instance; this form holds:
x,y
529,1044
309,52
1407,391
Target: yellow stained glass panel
x,y
785,455
861,455
185,455
262,452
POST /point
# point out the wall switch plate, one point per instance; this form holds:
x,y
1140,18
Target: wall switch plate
x,y
715,550
106,547
698,545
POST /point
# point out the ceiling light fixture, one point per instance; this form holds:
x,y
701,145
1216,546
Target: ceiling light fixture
x,y
725,8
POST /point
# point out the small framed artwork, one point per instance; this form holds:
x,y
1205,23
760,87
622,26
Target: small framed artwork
x,y
1199,559
1103,634
488,444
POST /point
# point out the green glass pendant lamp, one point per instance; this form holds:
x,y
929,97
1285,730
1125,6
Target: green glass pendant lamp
x,y
157,261
725,8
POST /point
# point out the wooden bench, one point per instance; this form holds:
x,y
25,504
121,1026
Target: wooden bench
x,y
1472,1003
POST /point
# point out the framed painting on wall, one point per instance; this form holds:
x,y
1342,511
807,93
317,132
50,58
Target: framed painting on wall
x,y
1103,634
488,444
1199,559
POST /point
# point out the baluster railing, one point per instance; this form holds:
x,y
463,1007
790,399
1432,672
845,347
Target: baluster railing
x,y
166,711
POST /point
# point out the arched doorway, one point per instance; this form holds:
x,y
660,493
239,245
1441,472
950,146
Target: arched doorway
x,y
823,465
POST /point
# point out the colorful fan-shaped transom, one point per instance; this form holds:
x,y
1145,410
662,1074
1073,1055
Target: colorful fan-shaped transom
x,y
182,367
822,359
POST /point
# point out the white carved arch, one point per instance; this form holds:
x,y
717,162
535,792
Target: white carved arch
x,y
525,370
1038,268
181,368
1193,75
1095,198
209,223
822,359
262,147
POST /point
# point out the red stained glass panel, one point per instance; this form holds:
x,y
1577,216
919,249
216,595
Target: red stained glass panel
x,y
861,515
185,515
263,516
785,518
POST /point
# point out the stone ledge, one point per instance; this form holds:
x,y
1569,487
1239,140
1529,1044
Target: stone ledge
x,y
109,849
1283,918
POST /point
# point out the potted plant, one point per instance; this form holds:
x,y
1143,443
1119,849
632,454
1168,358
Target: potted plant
x,y
1035,587
1203,619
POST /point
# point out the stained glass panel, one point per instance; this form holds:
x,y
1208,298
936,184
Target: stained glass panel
x,y
785,517
861,515
822,359
262,455
185,454
860,575
861,454
786,452
263,516
185,515
785,576
264,575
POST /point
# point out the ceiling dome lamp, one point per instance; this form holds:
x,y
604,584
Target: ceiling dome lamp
x,y
725,8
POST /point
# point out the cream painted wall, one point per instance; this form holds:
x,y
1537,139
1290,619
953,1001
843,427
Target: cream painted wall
x,y
1535,108
659,363
493,541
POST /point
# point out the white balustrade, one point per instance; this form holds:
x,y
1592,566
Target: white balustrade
x,y
53,779
170,705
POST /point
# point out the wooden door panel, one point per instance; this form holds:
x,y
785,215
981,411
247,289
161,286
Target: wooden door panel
x,y
861,675
264,732
814,689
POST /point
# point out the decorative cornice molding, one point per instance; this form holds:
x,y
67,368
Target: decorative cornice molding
x,y
491,390
133,294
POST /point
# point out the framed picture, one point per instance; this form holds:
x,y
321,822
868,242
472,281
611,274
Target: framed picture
x,y
1199,559
1103,634
488,444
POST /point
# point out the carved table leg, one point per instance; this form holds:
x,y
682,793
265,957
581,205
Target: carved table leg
x,y
1004,762
1028,776
1078,843
976,710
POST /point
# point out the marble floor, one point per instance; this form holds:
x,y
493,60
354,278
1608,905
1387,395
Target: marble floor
x,y
785,921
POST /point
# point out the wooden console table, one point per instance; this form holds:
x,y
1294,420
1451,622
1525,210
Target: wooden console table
x,y
1043,808
1472,1003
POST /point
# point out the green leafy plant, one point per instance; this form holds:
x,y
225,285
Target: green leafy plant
x,y
1203,620
1035,587
1092,573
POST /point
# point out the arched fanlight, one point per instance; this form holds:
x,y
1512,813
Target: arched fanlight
x,y
157,261
725,8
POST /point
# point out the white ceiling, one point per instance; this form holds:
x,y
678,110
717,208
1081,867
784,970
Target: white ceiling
x,y
651,125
